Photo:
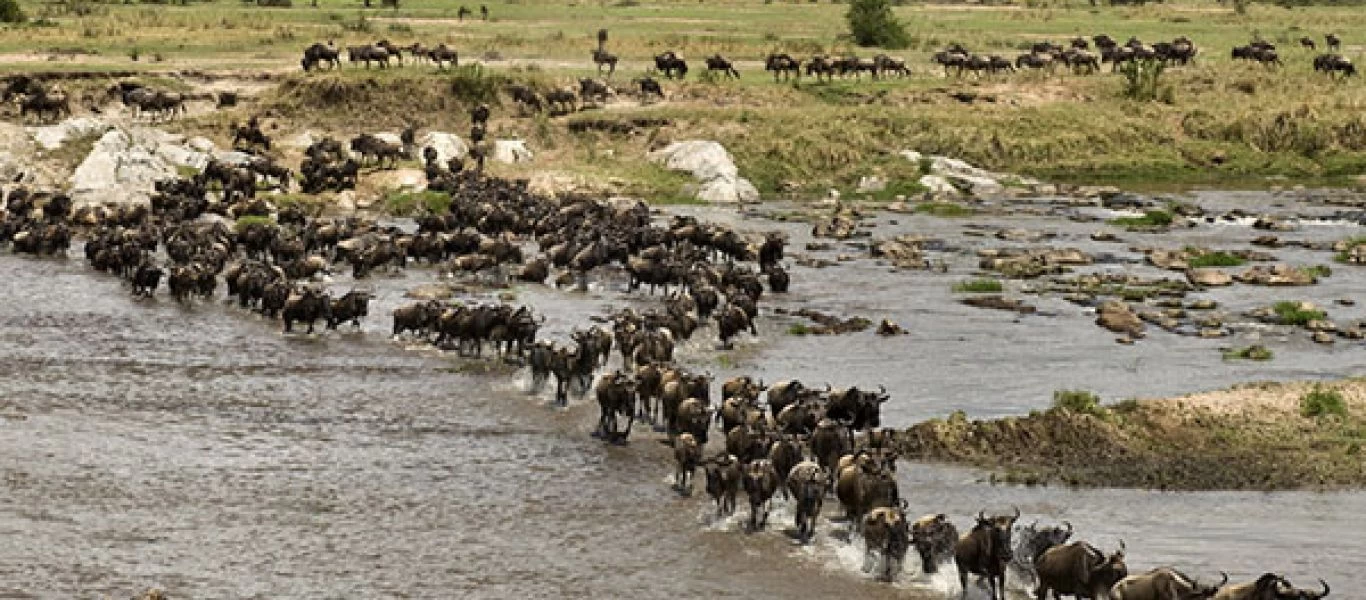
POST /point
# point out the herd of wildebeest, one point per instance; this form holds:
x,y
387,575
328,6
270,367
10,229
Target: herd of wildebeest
x,y
786,438
1078,56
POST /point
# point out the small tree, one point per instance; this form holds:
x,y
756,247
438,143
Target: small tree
x,y
10,12
871,23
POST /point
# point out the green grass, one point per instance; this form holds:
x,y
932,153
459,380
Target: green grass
x,y
1321,402
798,329
978,286
1151,219
1317,271
945,209
1079,401
243,223
1214,259
412,203
1254,352
1293,313
1346,252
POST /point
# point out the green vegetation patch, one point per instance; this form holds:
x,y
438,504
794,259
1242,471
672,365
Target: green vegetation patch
x,y
1152,219
945,209
1346,252
411,203
1297,313
1215,259
978,286
1078,401
1253,352
1321,402
245,222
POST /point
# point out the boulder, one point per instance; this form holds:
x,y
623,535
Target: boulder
x,y
511,152
937,184
233,157
888,328
121,168
1116,316
447,146
1209,277
390,138
718,178
1173,260
871,183
1276,275
997,302
1323,337
202,144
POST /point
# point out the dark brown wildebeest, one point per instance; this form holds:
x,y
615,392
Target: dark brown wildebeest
x,y
723,482
54,103
616,395
1269,586
603,58
716,62
934,538
985,551
1308,43
1334,44
442,54
367,55
761,481
1334,64
591,90
320,53
807,483
671,64
886,536
687,455
1080,570
648,86
1164,583
782,64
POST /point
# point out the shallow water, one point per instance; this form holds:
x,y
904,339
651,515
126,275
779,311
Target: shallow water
x,y
198,450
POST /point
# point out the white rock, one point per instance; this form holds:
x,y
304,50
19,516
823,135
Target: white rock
x,y
962,175
871,183
182,156
710,163
511,151
390,138
301,141
122,168
201,144
233,157
977,186
346,200
937,184
51,137
447,145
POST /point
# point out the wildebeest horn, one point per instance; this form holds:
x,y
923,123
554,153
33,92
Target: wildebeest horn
x,y
1121,546
1017,512
1069,526
905,505
1221,583
1325,589
981,515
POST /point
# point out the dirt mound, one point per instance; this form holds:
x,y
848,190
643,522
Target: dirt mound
x,y
1193,443
385,99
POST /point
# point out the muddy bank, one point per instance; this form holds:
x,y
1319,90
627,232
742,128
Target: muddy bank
x,y
1249,437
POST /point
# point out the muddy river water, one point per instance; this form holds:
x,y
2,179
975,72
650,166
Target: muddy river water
x,y
195,449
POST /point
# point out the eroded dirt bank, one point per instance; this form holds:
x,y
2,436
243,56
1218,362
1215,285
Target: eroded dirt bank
x,y
1251,436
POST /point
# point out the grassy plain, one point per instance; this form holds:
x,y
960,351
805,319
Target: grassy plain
x,y
1222,123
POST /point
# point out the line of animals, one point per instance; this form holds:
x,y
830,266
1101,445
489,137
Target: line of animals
x,y
380,54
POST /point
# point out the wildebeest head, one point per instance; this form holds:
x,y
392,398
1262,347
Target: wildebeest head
x,y
998,532
1287,591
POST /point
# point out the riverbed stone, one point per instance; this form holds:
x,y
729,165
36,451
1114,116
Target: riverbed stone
x,y
511,152
719,180
1209,277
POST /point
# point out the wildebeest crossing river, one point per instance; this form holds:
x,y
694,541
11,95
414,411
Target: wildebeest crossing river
x,y
197,450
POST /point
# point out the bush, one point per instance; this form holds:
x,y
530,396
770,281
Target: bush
x,y
1078,401
1297,313
978,286
871,23
1142,80
1215,259
11,13
243,223
1320,402
409,203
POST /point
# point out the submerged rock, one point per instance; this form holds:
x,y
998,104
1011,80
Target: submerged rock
x,y
1116,316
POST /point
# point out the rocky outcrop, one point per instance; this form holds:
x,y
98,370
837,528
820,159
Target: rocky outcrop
x,y
905,252
511,152
718,178
447,145
1116,316
961,177
51,137
1277,275
1209,277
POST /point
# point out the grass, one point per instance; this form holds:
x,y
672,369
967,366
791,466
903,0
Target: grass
x,y
799,329
1317,271
1151,219
1295,313
978,286
244,222
1289,122
1214,259
412,203
1253,352
1078,401
1346,252
1321,402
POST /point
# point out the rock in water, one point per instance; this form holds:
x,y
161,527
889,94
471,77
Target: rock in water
x,y
121,168
1209,277
709,162
1116,316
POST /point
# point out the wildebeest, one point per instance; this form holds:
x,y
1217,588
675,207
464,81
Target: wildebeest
x,y
1269,586
1164,583
352,306
716,62
934,538
1334,44
53,103
761,481
616,395
723,482
368,54
1308,43
1032,540
591,90
687,455
671,64
562,100
887,535
648,86
1079,569
985,551
782,64
1334,65
306,305
442,55
806,483
319,53
603,58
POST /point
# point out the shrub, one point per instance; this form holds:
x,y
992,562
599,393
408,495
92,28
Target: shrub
x,y
945,209
1215,259
798,329
871,23
243,223
1297,313
409,203
1320,402
1346,252
1317,271
11,13
978,286
1142,80
1078,401
1253,352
